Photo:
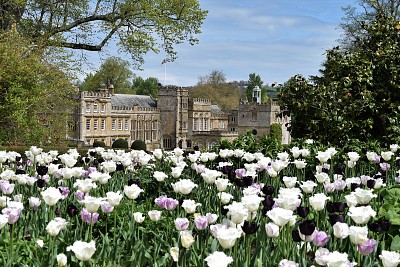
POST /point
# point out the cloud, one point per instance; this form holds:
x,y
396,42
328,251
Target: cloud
x,y
275,39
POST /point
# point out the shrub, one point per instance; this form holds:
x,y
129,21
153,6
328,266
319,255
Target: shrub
x,y
276,132
138,145
99,144
120,143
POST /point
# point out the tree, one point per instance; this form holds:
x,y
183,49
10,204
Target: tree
x,y
146,87
357,96
226,95
255,80
355,22
137,26
113,70
215,77
35,96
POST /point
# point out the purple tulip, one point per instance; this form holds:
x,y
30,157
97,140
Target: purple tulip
x,y
6,187
201,222
171,204
384,166
89,217
64,191
13,214
240,172
320,239
106,207
80,195
367,247
181,224
161,201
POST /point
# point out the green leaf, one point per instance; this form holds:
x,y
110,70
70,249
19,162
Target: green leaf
x,y
395,246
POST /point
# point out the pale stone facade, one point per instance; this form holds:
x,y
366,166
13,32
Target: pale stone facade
x,y
169,121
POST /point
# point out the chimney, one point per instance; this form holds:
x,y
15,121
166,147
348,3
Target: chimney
x,y
111,88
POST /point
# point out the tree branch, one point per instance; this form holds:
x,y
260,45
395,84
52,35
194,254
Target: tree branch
x,y
106,17
89,47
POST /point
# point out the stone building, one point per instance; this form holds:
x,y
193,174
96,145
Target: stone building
x,y
169,121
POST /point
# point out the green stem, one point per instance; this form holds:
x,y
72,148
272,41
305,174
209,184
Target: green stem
x,y
11,245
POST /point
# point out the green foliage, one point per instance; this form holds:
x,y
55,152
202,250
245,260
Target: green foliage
x,y
146,87
139,26
120,143
35,98
99,144
254,80
250,143
357,96
276,132
115,71
225,95
138,145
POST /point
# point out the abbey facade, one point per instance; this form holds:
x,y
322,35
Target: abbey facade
x,y
172,120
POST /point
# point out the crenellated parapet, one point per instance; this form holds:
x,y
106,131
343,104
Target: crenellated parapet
x,y
147,109
92,94
122,108
201,101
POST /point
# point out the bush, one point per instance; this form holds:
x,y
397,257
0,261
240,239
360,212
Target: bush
x,y
99,144
276,132
120,143
138,145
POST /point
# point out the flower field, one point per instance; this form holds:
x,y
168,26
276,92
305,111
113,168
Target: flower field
x,y
303,205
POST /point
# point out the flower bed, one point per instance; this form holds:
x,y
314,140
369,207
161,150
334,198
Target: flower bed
x,y
300,207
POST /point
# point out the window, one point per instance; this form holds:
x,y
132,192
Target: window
x,y
103,108
87,107
88,124
114,124
120,124
195,125
201,122
103,124
205,125
147,125
95,107
154,125
232,129
95,124
254,116
167,143
126,125
233,119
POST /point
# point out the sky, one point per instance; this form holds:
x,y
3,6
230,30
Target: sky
x,y
275,39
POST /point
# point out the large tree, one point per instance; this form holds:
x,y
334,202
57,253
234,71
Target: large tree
x,y
215,77
147,86
138,26
35,96
357,95
255,80
113,70
357,18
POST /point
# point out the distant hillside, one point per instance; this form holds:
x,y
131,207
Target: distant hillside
x,y
226,95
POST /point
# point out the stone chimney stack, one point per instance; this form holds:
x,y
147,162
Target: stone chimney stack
x,y
111,88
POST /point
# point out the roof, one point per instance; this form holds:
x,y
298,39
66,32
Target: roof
x,y
216,109
126,100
